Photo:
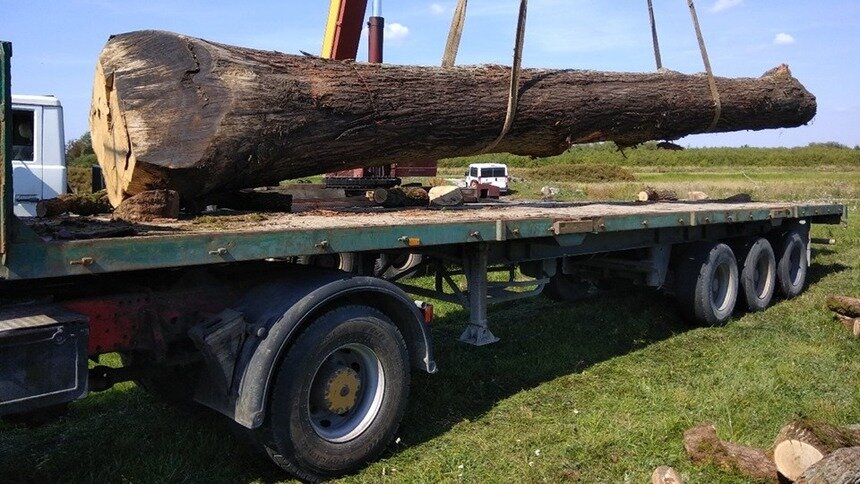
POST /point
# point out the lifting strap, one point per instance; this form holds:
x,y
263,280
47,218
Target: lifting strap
x,y
718,106
514,90
449,58
654,35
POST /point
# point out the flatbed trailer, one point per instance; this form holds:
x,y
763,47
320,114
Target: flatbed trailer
x,y
313,363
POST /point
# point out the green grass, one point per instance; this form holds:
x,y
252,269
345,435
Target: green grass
x,y
597,391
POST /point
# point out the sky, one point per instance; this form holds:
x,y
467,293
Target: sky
x,y
56,43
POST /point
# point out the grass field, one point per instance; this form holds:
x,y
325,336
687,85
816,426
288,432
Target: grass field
x,y
597,391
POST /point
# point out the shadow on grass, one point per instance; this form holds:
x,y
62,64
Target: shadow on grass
x,y
124,435
818,272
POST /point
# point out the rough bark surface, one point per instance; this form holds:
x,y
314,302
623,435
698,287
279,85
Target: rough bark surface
x,y
181,113
400,197
149,205
840,467
844,305
650,194
802,443
704,446
86,204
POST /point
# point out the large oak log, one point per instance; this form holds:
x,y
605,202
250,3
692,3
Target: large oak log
x,y
181,113
802,443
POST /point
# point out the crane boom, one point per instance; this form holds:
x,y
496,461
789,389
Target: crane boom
x,y
343,29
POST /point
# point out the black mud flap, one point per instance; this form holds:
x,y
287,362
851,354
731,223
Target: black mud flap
x,y
43,358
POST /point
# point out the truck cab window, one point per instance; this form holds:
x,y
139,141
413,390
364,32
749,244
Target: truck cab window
x,y
22,135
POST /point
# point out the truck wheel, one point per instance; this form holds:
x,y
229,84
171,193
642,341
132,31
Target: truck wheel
x,y
707,283
565,287
757,272
400,263
344,261
339,394
792,262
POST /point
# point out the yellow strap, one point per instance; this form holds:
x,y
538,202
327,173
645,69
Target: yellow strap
x,y
449,58
514,90
712,83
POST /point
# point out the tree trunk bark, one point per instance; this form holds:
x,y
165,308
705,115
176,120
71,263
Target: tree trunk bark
x,y
844,305
842,467
703,446
85,204
181,113
802,443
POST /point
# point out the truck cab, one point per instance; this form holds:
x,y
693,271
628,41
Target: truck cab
x,y
38,151
495,174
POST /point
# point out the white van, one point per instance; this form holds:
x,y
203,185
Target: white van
x,y
495,174
38,151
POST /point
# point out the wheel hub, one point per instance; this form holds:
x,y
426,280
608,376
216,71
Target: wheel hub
x,y
341,390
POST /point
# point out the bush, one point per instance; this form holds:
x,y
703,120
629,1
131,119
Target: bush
x,y
582,173
647,154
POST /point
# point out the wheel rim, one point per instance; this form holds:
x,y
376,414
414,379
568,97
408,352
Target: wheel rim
x,y
346,393
721,287
762,277
794,264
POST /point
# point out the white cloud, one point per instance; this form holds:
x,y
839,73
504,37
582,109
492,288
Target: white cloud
x,y
783,39
396,31
721,5
437,9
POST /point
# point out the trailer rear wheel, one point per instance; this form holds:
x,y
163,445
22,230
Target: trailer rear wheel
x,y
707,283
344,261
792,262
339,394
396,264
757,273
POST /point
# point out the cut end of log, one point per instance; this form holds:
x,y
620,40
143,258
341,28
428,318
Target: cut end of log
x,y
666,475
110,137
792,457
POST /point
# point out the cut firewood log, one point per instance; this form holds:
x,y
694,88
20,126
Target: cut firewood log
x,y
666,475
738,198
446,196
78,204
840,467
148,205
653,195
400,197
704,446
697,196
804,442
176,112
851,324
844,305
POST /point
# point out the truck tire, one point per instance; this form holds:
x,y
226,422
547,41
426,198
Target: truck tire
x,y
339,394
566,287
757,266
400,263
344,261
792,262
707,283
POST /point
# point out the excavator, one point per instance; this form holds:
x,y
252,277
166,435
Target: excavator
x,y
340,42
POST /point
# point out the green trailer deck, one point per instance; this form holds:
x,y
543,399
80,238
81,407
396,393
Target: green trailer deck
x,y
216,239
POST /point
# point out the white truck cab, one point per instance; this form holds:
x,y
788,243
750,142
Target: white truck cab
x,y
495,174
38,151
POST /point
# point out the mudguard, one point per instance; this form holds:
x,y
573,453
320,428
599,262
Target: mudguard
x,y
275,313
